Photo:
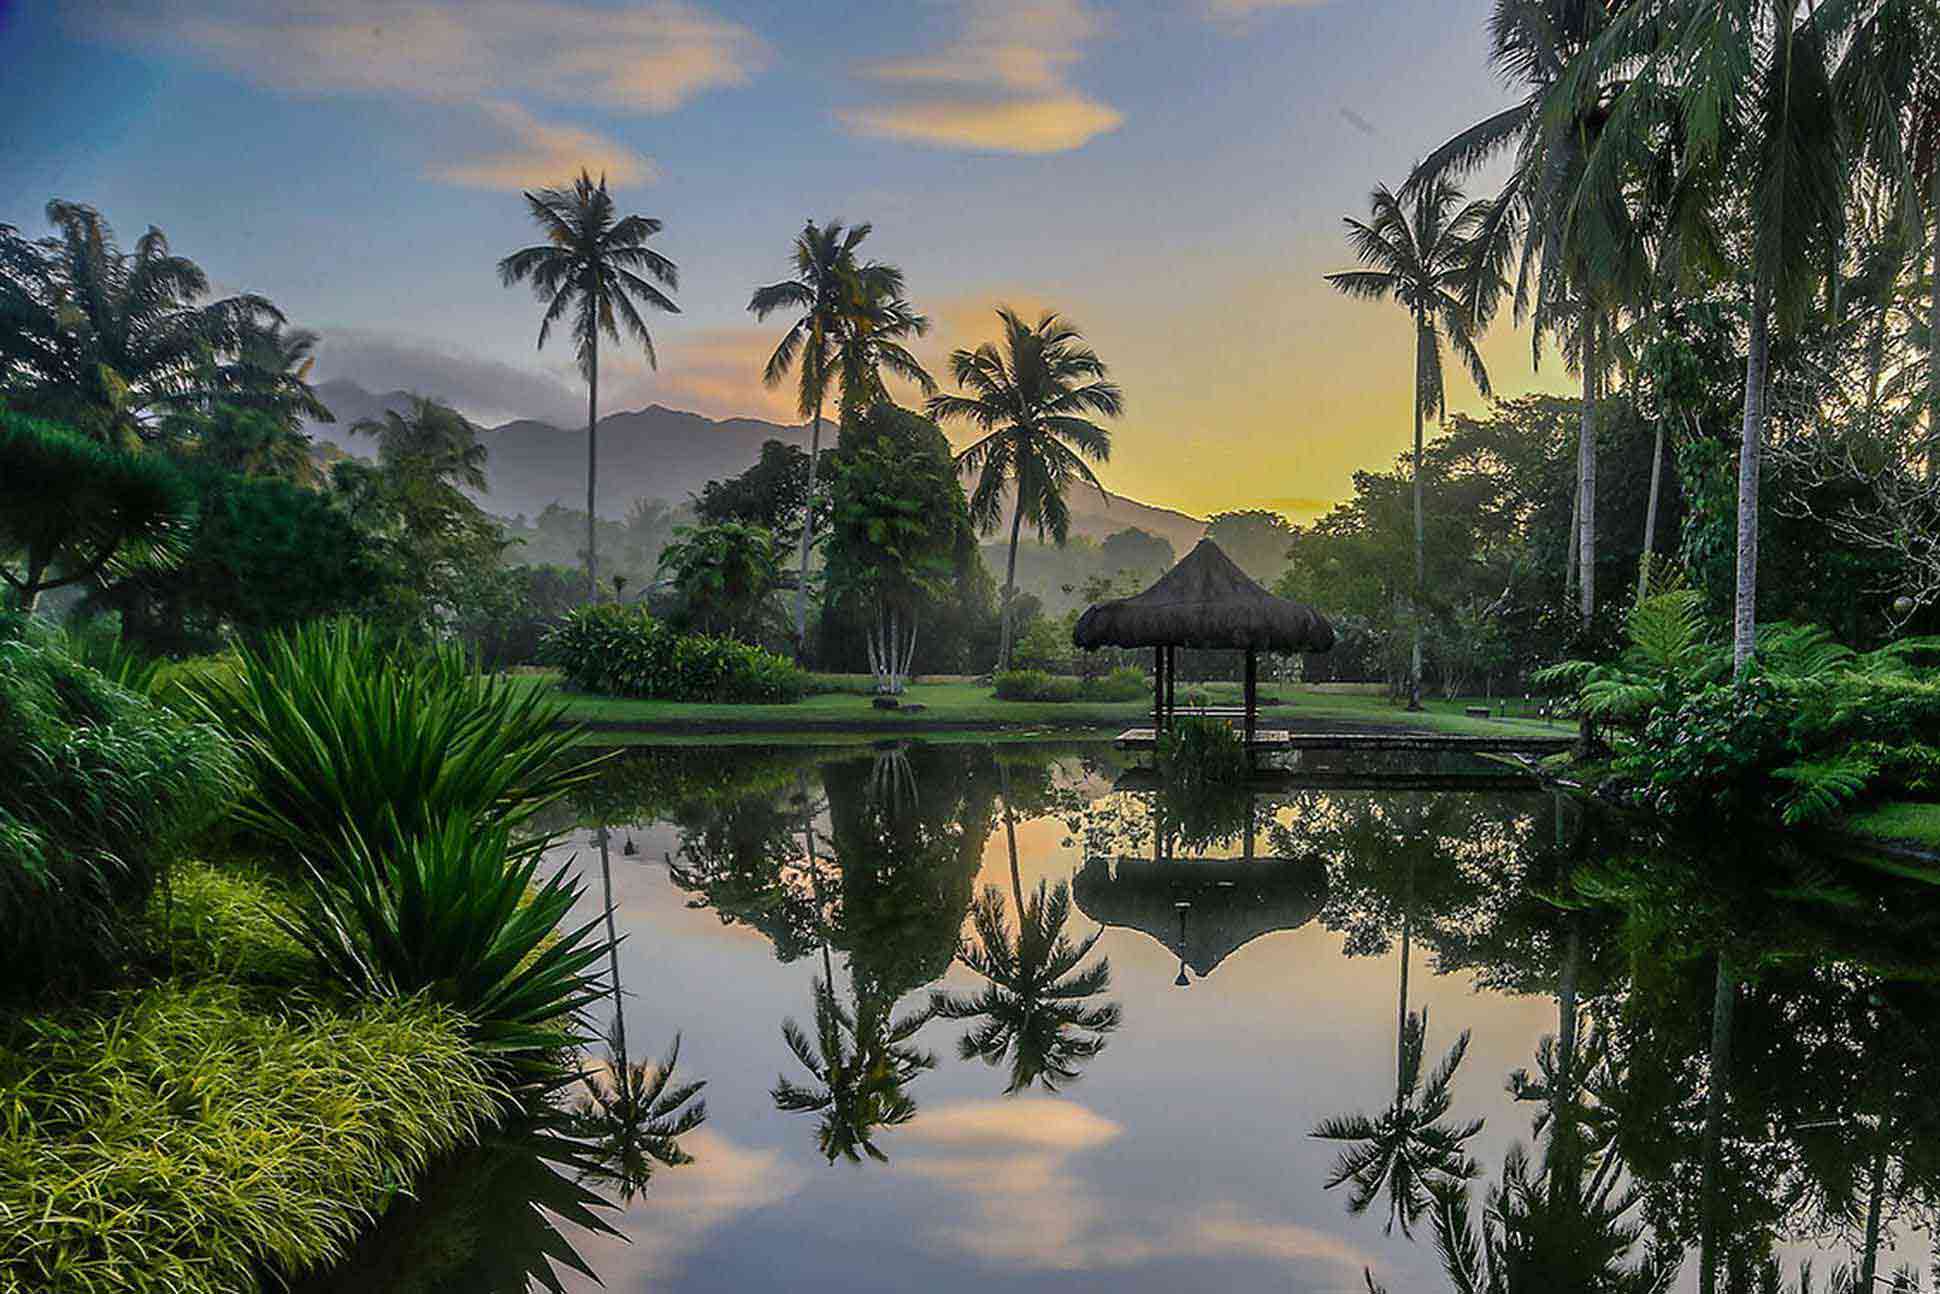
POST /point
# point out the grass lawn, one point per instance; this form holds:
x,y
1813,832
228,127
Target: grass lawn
x,y
972,705
1902,822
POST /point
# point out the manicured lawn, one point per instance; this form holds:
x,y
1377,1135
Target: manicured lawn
x,y
972,704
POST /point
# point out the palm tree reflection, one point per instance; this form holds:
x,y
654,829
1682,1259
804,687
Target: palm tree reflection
x,y
1409,1151
862,1061
631,1116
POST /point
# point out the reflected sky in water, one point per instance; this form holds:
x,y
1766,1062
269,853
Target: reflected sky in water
x,y
1182,1157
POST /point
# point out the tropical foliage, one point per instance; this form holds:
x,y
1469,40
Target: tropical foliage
x,y
861,1061
622,651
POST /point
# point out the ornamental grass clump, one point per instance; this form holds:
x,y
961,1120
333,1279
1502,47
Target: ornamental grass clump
x,y
343,731
102,791
190,1139
1195,753
458,915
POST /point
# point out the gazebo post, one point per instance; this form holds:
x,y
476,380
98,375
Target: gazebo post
x,y
1252,693
1171,682
1158,690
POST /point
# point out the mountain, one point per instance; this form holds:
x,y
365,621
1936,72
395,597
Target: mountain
x,y
663,453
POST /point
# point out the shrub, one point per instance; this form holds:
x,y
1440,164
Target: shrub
x,y
102,791
345,733
456,916
622,651
1035,685
186,1139
1122,684
1194,753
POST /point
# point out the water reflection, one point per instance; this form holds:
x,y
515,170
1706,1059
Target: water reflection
x,y
1647,1068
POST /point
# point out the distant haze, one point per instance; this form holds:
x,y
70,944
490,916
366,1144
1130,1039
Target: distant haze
x,y
663,453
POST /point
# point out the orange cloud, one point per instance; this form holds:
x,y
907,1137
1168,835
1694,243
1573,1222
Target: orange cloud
x,y
538,154
1001,86
711,371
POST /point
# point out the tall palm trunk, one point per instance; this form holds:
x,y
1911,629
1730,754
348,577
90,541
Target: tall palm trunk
x,y
592,469
613,959
1010,836
1401,1021
1650,512
1933,329
1010,581
1750,456
1421,542
1724,996
808,538
1876,1191
1586,482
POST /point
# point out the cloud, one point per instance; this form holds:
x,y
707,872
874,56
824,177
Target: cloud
x,y
1001,86
711,371
1230,10
689,1202
482,389
539,154
487,55
1014,1160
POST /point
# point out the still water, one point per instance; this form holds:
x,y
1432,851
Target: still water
x,y
1129,1100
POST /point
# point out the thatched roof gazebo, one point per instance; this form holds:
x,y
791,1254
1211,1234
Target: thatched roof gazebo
x,y
1202,910
1204,601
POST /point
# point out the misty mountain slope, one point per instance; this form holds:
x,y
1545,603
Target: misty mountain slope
x,y
663,453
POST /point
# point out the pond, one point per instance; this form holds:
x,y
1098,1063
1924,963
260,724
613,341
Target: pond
x,y
1152,1126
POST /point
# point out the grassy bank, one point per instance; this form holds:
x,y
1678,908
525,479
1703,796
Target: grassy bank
x,y
969,706
215,1119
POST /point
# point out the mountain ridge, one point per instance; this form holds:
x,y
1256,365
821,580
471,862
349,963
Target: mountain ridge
x,y
665,453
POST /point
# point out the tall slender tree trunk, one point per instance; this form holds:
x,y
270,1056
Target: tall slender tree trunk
x,y
1744,635
1724,998
1650,513
1586,481
613,957
1572,546
1010,838
592,471
1401,1020
808,537
1421,540
1875,1198
1933,328
1010,582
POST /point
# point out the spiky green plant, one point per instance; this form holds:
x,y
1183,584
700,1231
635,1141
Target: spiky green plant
x,y
458,915
342,730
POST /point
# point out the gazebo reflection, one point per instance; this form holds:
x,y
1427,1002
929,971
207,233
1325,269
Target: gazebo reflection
x,y
1203,909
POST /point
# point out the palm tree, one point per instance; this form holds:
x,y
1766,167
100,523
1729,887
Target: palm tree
x,y
432,438
632,1116
1030,398
876,323
1408,1150
862,1063
1419,256
1749,88
1572,242
102,339
595,264
1031,1010
829,282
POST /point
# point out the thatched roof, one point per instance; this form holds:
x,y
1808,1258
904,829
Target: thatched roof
x,y
1231,902
1205,601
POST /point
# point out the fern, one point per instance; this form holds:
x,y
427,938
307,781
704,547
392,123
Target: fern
x,y
1822,786
1666,632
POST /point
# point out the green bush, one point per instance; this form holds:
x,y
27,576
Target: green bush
x,y
199,1139
344,732
1122,684
1035,685
456,915
620,650
102,791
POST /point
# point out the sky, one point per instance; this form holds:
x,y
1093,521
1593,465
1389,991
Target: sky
x,y
1170,176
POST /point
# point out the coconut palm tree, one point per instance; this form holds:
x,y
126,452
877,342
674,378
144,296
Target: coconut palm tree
x,y
433,438
876,324
596,266
1749,87
1032,1009
631,1115
104,339
1572,244
829,285
1417,253
1409,1151
1030,397
862,1062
